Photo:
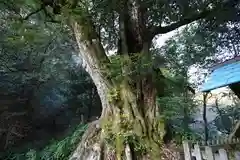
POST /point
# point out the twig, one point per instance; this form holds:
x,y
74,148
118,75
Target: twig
x,y
32,13
17,134
15,114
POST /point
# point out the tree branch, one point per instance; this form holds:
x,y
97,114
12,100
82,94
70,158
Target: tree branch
x,y
194,17
32,13
160,30
42,8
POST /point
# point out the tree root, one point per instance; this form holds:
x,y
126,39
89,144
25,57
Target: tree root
x,y
89,149
93,147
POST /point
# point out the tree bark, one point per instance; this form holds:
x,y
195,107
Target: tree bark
x,y
125,113
93,60
129,118
129,126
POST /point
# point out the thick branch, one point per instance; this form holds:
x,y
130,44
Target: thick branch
x,y
194,17
184,21
94,59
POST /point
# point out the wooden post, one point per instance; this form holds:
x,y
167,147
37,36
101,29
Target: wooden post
x,y
205,117
209,153
187,150
197,152
223,154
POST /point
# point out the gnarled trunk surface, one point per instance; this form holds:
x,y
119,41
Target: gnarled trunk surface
x,y
128,127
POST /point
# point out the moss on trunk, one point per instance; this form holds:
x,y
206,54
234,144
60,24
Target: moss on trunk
x,y
129,127
124,133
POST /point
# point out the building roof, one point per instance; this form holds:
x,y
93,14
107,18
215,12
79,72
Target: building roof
x,y
223,74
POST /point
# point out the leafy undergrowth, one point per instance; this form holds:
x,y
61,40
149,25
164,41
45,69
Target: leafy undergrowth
x,y
56,150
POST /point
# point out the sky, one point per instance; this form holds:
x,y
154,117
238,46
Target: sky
x,y
193,71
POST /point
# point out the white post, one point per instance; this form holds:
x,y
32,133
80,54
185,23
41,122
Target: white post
x,y
209,153
223,154
197,152
187,150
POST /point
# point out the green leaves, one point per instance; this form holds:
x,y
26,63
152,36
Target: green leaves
x,y
56,149
32,3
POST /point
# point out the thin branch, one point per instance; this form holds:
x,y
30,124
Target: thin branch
x,y
42,8
194,17
32,13
17,134
16,114
184,21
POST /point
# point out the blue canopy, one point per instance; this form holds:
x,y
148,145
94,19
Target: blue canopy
x,y
222,76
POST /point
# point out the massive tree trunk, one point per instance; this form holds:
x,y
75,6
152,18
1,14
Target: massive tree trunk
x,y
129,127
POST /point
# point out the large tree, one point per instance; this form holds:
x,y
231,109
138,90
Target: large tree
x,y
130,125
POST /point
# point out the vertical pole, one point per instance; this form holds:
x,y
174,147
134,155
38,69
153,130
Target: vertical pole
x,y
187,150
205,116
223,154
209,153
198,153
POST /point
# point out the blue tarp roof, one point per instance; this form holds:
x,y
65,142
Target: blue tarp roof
x,y
222,76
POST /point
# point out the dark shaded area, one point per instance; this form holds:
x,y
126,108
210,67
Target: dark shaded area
x,y
36,111
44,92
235,87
